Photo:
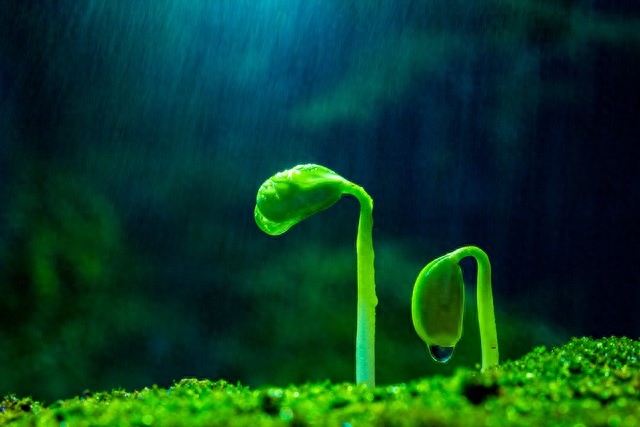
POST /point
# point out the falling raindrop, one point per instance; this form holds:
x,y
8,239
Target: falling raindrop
x,y
441,354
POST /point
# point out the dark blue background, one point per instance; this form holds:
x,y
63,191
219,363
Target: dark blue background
x,y
509,125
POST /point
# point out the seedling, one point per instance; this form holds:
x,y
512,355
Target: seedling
x,y
290,196
437,306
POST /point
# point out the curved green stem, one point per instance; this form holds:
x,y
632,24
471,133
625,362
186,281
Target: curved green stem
x,y
484,296
367,299
289,197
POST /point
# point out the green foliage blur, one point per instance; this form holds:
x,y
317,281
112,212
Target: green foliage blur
x,y
66,282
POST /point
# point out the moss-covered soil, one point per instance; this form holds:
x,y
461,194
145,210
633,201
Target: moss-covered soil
x,y
583,383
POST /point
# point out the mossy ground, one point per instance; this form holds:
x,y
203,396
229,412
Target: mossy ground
x,y
583,383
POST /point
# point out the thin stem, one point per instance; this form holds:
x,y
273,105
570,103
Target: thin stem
x,y
367,299
484,296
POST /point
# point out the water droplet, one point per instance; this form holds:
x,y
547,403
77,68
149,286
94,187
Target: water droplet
x,y
441,354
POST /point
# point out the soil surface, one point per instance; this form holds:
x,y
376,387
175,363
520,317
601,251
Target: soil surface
x,y
583,383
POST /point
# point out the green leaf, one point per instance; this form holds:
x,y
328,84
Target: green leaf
x,y
292,195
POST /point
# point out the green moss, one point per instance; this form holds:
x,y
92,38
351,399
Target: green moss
x,y
585,382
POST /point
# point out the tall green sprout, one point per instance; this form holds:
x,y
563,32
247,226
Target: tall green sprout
x,y
289,197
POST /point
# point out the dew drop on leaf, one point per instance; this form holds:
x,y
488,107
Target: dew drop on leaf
x,y
441,354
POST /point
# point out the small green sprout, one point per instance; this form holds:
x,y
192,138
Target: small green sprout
x,y
437,306
289,197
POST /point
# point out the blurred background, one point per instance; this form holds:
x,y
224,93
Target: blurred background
x,y
135,134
